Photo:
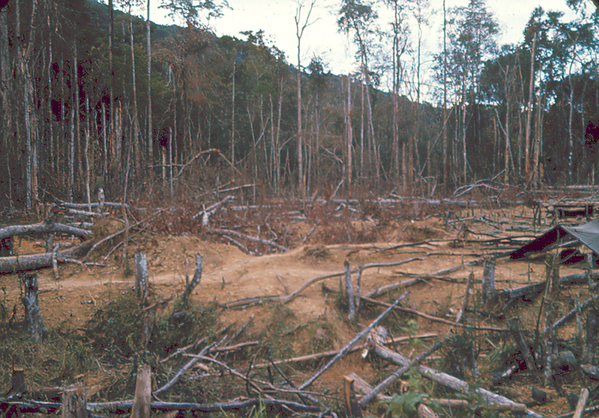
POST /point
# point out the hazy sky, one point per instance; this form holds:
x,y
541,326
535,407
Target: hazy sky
x,y
276,19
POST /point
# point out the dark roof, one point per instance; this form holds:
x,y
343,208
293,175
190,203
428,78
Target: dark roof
x,y
587,234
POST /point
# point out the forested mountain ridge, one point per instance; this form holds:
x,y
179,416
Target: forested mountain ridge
x,y
223,111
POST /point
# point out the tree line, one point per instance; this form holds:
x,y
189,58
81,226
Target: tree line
x,y
93,96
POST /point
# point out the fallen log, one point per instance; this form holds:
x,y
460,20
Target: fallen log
x,y
397,374
349,345
43,228
270,243
532,290
225,406
451,381
434,318
17,264
582,401
125,406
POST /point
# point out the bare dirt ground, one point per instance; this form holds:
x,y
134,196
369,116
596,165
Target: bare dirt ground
x,y
315,319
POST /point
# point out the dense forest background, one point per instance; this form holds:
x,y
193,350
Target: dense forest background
x,y
94,97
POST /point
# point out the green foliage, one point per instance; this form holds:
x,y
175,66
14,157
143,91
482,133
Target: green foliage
x,y
405,405
278,332
459,355
117,329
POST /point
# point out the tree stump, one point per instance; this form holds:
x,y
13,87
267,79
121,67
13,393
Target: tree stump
x,y
74,404
141,276
33,318
143,393
18,387
350,292
488,285
195,280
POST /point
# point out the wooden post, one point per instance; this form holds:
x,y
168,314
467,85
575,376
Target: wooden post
x,y
141,276
488,285
74,404
143,393
33,318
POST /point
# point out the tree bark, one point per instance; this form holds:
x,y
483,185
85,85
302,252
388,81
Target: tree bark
x,y
43,228
150,129
33,318
529,109
74,404
17,264
143,393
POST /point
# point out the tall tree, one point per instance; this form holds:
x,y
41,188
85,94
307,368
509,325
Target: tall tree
x,y
359,17
300,27
472,39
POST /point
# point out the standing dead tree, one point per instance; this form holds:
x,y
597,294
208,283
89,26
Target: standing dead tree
x,y
33,318
195,280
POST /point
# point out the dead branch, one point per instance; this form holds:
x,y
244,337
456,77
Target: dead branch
x,y
122,231
290,297
397,374
211,210
237,244
349,345
231,370
234,347
434,318
324,354
185,368
192,159
450,381
247,237
572,313
86,205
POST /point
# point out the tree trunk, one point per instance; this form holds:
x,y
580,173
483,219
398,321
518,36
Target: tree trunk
x,y
529,110
150,129
506,176
76,107
445,148
136,144
72,156
348,128
233,116
143,393
33,318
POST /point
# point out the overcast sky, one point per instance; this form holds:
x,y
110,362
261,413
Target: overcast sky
x,y
321,38
276,19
